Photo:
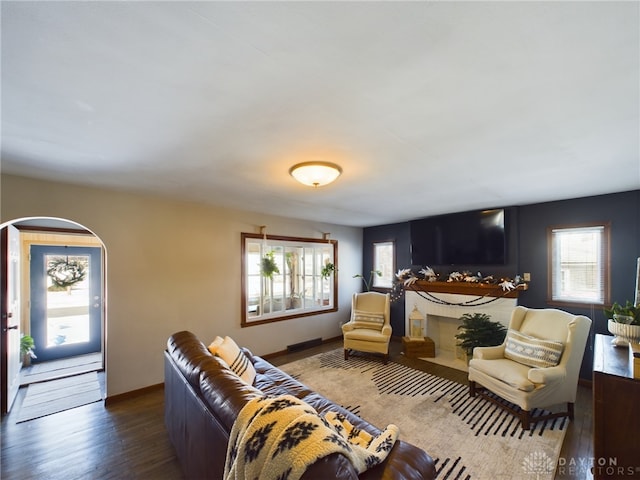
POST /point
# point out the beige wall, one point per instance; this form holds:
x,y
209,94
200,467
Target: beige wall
x,y
175,265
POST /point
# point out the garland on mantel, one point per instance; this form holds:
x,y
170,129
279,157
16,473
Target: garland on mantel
x,y
475,302
406,278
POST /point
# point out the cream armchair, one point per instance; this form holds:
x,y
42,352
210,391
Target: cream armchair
x,y
368,330
523,369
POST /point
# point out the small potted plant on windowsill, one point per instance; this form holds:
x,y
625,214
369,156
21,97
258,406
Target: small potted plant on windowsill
x,y
326,272
27,347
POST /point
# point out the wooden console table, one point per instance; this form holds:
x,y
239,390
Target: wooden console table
x,y
616,413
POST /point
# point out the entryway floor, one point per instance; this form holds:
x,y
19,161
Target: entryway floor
x,y
42,372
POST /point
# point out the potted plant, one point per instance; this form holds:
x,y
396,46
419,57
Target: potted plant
x,y
27,347
478,330
268,268
327,270
624,323
294,300
368,284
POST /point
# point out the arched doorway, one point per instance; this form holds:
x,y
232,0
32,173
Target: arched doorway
x,y
62,308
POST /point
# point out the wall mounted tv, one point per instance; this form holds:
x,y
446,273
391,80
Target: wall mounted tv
x,y
467,238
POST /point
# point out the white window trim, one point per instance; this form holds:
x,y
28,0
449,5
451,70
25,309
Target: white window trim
x,y
387,269
555,294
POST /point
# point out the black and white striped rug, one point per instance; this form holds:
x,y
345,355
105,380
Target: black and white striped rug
x,y
469,438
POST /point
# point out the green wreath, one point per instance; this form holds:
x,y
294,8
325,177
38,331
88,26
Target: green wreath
x,y
64,272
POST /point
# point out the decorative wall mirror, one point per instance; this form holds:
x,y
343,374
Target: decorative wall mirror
x,y
287,277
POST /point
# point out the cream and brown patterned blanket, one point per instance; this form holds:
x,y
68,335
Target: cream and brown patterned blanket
x,y
280,437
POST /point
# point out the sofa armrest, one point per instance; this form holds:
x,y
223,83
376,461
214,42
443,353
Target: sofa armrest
x,y
386,330
489,353
547,375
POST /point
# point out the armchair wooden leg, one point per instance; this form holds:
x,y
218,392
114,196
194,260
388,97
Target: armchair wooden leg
x,y
472,389
526,419
385,359
570,410
346,354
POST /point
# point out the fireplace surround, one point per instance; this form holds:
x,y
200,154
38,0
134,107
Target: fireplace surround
x,y
444,303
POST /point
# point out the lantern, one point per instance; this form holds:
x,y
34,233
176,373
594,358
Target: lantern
x,y
416,323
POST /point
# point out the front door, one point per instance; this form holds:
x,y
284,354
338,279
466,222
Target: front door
x,y
66,301
10,293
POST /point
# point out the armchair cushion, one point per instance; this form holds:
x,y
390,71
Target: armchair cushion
x,y
511,373
368,335
532,351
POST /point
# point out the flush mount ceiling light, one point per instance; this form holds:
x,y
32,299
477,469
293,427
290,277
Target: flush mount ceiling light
x,y
315,174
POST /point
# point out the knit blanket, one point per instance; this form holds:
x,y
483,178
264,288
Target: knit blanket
x,y
280,437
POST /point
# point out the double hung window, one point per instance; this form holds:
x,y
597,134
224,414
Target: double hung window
x,y
579,264
383,262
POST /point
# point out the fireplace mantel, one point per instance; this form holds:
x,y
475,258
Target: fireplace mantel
x,y
463,288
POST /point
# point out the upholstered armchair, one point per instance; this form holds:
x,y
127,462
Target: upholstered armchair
x,y
368,330
537,366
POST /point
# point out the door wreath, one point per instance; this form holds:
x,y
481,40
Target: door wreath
x,y
64,272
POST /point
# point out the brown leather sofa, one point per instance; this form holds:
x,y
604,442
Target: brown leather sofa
x,y
203,398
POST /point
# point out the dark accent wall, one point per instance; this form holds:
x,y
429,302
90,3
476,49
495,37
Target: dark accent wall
x,y
527,244
398,233
622,211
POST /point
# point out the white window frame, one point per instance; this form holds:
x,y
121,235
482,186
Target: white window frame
x,y
567,256
384,254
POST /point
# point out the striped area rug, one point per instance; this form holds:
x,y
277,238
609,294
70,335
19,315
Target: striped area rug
x,y
469,438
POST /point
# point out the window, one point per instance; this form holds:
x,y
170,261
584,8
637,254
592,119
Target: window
x,y
579,264
383,255
287,277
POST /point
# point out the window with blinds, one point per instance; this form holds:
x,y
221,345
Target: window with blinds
x,y
578,264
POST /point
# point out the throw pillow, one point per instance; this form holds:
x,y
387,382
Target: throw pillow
x,y
363,319
532,351
213,346
236,359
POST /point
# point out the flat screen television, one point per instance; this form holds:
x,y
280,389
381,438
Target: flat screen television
x,y
467,238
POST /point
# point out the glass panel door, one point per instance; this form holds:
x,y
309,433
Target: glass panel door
x,y
66,300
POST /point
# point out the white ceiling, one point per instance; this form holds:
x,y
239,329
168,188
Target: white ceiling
x,y
429,107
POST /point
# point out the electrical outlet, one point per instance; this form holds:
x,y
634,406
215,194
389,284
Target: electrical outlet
x,y
526,276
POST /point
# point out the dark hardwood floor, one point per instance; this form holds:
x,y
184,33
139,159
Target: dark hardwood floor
x,y
127,439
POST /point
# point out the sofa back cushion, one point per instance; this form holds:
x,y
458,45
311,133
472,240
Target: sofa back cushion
x,y
225,393
190,355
